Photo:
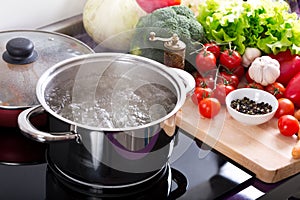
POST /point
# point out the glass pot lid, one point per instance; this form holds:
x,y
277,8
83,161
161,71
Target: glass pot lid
x,y
26,54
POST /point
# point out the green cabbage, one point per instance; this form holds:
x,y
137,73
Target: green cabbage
x,y
267,25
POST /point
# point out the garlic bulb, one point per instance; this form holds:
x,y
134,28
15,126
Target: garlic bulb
x,y
249,56
264,70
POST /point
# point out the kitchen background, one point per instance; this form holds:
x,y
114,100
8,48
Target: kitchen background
x,y
32,14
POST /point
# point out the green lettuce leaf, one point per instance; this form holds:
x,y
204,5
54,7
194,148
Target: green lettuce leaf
x,y
267,25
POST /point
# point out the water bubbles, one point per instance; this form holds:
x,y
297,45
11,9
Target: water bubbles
x,y
115,108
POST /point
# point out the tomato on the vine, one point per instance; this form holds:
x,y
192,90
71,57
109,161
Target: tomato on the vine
x,y
276,88
221,91
230,79
255,86
230,59
214,48
285,107
239,71
200,81
205,61
297,114
204,82
209,107
248,78
200,93
288,125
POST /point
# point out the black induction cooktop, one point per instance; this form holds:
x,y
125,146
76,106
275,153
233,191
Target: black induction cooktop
x,y
193,172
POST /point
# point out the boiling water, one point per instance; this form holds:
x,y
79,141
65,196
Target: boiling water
x,y
120,108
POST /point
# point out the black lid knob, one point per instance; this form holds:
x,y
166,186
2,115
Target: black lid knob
x,y
20,51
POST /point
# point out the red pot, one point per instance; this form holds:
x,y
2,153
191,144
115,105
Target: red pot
x,y
26,54
16,149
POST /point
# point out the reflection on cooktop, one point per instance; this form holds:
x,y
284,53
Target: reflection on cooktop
x,y
209,175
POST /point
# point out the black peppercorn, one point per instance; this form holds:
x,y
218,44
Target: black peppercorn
x,y
250,107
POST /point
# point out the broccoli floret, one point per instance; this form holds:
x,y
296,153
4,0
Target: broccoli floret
x,y
170,23
163,14
196,30
183,10
165,22
183,22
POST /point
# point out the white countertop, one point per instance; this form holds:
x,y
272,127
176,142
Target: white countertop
x,y
32,14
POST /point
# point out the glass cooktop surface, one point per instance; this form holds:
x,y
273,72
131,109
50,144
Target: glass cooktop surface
x,y
207,175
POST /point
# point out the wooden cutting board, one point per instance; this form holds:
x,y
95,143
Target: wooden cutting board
x,y
260,149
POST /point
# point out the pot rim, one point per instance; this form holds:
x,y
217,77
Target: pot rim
x,y
23,107
46,77
15,107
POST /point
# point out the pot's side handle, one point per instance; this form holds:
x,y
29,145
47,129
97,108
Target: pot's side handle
x,y
187,79
32,132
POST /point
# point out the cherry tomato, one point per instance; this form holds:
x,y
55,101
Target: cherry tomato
x,y
204,82
214,48
285,107
276,88
288,125
151,5
239,71
209,107
230,59
248,78
205,61
255,85
200,81
297,114
230,79
210,81
221,92
200,93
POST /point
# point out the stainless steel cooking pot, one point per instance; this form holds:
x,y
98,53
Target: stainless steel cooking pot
x,y
25,55
112,117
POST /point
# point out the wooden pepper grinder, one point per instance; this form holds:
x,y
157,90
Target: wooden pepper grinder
x,y
174,50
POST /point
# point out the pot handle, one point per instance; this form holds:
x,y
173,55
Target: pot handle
x,y
188,80
32,132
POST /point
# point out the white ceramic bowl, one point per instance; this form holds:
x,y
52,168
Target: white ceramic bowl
x,y
258,96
